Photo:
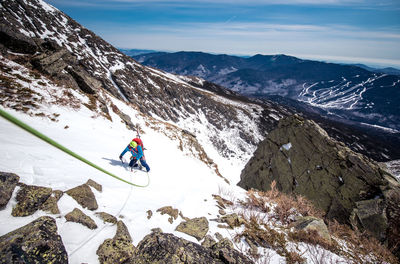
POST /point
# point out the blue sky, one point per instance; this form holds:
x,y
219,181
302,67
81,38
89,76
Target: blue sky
x,y
363,31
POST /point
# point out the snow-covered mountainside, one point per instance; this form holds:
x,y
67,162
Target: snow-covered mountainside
x,y
76,57
69,84
180,180
350,91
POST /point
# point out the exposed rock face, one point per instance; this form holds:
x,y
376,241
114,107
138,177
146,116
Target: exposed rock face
x,y
167,248
303,159
196,227
84,196
37,242
78,216
119,249
8,182
16,41
30,198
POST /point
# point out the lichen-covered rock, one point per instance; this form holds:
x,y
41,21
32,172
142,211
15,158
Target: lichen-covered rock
x,y
30,198
173,213
84,196
37,242
78,216
107,217
196,227
8,182
118,249
208,241
310,223
122,232
158,248
95,185
50,206
301,157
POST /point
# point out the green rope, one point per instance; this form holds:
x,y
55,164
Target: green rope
x,y
33,131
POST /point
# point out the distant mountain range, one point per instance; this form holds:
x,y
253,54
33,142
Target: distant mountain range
x,y
135,52
387,70
352,92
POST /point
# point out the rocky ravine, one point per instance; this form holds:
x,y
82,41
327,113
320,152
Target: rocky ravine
x,y
302,159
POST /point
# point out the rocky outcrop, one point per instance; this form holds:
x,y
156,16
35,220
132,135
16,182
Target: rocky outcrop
x,y
86,83
84,196
166,248
16,41
118,249
302,159
8,182
78,216
51,63
30,198
196,227
37,242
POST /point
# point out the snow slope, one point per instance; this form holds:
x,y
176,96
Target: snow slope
x,y
178,179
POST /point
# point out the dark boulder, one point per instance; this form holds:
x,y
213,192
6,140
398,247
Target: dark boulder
x,y
80,217
37,242
166,248
30,198
8,182
118,249
196,227
84,196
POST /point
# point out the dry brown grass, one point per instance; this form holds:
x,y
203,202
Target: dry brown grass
x,y
263,236
361,244
259,207
312,237
286,205
295,258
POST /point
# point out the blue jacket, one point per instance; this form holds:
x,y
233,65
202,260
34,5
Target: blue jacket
x,y
137,152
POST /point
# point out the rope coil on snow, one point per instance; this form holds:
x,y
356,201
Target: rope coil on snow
x,y
43,137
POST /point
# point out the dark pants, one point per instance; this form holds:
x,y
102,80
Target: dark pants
x,y
133,162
